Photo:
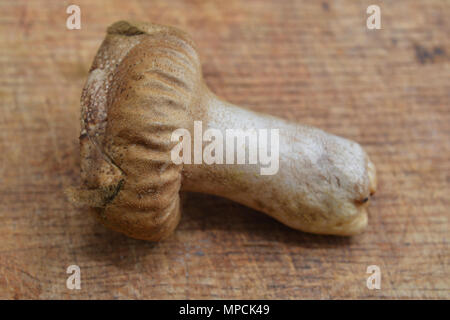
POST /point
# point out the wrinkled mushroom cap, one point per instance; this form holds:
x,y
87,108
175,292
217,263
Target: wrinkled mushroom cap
x,y
140,89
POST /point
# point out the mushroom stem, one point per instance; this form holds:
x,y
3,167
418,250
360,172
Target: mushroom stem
x,y
322,183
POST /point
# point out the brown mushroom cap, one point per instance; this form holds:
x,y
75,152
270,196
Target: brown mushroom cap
x,y
140,89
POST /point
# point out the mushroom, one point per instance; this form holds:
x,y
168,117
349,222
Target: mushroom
x,y
146,82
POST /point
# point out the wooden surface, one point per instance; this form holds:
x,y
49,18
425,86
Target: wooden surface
x,y
310,61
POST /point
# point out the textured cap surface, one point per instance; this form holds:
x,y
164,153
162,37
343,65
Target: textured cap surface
x,y
140,89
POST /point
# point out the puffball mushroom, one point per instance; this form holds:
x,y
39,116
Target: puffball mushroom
x,y
146,82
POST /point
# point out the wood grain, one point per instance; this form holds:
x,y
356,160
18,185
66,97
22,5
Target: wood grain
x,y
310,61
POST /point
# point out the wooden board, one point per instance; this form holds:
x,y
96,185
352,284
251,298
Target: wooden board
x,y
310,61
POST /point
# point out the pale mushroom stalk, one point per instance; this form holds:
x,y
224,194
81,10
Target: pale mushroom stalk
x,y
145,83
323,183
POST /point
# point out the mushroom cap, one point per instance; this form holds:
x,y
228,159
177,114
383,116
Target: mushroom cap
x,y
140,88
